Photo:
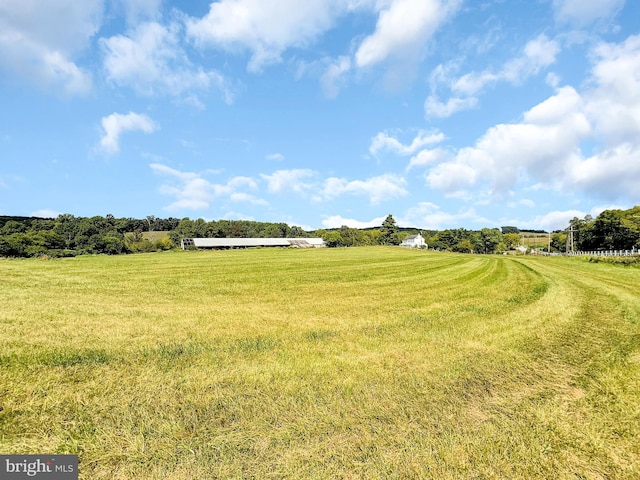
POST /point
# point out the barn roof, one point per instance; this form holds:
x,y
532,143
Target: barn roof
x,y
253,242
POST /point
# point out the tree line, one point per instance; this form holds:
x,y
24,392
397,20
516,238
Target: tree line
x,y
611,230
68,235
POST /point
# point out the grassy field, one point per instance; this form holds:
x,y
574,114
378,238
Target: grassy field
x,y
535,240
334,363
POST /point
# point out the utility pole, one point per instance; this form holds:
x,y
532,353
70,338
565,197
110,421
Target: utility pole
x,y
570,245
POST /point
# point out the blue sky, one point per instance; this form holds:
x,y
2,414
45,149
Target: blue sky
x,y
321,113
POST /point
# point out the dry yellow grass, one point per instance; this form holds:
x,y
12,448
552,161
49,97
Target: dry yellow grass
x,y
350,363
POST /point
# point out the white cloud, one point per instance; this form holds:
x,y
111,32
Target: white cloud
x,y
582,13
264,27
191,193
275,157
613,173
268,28
430,216
537,54
289,180
525,202
116,124
45,213
614,103
546,146
540,147
247,198
428,157
137,11
453,178
402,29
435,108
151,60
333,78
236,183
384,142
39,41
337,221
194,192
237,216
378,189
305,182
555,220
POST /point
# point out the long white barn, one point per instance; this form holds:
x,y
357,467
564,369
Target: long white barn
x,y
251,242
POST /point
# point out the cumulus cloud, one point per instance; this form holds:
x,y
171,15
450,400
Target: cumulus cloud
x,y
428,157
547,145
116,124
337,221
247,198
430,216
403,28
306,182
151,60
194,192
296,180
378,189
555,220
541,146
40,41
613,173
614,104
45,213
433,107
385,142
266,28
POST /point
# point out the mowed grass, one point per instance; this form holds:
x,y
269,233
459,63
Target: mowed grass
x,y
335,363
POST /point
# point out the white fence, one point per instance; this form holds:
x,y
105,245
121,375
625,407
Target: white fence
x,y
609,253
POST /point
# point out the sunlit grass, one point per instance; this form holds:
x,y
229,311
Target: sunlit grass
x,y
348,363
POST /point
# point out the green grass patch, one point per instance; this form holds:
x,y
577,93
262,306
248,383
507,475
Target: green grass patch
x,y
373,362
622,261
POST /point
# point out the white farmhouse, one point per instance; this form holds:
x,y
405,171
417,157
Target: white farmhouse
x,y
414,241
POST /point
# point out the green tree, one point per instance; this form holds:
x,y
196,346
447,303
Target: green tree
x,y
583,235
559,241
389,231
464,246
511,240
67,227
332,238
13,227
613,232
489,239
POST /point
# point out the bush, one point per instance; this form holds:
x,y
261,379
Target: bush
x,y
624,261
